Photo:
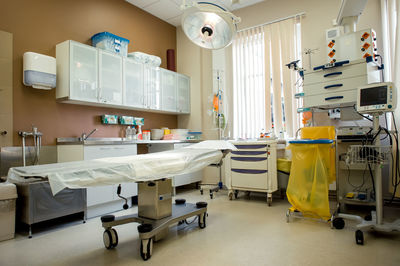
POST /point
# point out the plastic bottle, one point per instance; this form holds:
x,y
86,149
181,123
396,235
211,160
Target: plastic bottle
x,y
139,133
128,133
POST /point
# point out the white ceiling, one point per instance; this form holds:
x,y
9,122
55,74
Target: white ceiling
x,y
170,11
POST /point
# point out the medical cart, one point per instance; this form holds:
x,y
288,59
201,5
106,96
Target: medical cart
x,y
252,168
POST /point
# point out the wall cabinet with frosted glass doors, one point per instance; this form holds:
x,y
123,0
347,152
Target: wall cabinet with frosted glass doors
x,y
175,96
91,76
87,74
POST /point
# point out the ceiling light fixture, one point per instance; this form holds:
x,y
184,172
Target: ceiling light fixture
x,y
209,25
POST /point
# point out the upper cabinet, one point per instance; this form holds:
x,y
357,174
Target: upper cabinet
x,y
77,75
91,76
168,89
152,88
134,94
183,94
110,78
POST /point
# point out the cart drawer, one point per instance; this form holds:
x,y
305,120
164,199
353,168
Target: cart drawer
x,y
249,153
246,178
252,147
336,73
257,163
331,99
335,86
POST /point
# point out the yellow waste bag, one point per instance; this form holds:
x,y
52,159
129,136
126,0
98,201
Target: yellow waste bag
x,y
309,180
327,132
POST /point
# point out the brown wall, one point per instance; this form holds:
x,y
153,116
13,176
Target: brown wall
x,y
38,25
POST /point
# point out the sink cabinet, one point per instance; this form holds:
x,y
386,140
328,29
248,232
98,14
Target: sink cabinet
x,y
103,199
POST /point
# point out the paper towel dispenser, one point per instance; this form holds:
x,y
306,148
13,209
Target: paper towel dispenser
x,y
39,71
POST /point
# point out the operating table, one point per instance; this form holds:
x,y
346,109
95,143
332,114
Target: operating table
x,y
151,171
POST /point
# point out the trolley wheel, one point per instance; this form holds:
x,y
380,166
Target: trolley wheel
x,y
338,223
201,191
287,216
359,237
211,195
236,194
146,249
202,221
110,238
230,195
368,217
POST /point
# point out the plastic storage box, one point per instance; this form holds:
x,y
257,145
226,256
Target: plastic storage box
x,y
8,195
111,42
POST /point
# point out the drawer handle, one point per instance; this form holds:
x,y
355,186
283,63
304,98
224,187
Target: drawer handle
x,y
333,86
249,159
250,146
334,98
333,74
249,171
249,152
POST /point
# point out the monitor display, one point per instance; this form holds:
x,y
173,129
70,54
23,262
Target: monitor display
x,y
373,96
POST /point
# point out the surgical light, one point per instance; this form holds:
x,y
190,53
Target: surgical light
x,y
209,25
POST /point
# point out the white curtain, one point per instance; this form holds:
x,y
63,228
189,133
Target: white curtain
x,y
281,46
263,87
248,83
391,44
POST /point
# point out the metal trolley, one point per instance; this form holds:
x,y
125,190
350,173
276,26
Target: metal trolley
x,y
156,213
373,156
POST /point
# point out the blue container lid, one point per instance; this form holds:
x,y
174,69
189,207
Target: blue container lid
x,y
108,34
195,133
311,141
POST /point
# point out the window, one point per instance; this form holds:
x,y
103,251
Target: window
x,y
263,87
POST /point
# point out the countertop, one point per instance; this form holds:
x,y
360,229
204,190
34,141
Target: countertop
x,y
116,141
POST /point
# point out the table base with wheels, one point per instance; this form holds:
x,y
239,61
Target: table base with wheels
x,y
369,223
152,230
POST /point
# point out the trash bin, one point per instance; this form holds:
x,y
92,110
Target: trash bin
x,y
310,176
283,167
8,195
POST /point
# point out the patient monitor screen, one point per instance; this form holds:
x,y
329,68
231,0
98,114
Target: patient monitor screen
x,y
373,96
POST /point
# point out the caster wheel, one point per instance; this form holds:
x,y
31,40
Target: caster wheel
x,y
201,192
211,195
287,216
359,237
236,194
368,217
202,220
110,238
230,195
146,248
338,223
269,201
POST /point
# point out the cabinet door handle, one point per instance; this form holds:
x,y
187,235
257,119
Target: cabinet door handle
x,y
334,98
333,74
333,86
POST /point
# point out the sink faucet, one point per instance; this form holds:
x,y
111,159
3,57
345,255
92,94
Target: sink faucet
x,y
84,137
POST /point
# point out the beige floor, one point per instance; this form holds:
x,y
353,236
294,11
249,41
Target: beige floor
x,y
241,232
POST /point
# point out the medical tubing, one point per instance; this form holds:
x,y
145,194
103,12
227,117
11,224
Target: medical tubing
x,y
372,179
395,177
366,117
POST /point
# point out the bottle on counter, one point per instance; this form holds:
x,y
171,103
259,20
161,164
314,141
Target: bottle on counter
x,y
133,132
139,133
128,133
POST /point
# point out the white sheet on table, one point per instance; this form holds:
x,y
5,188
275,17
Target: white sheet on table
x,y
115,170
